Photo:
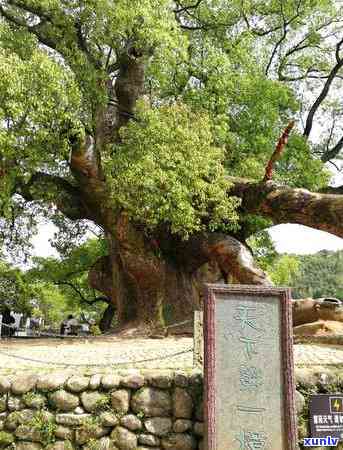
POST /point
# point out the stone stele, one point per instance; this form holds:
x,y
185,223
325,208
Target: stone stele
x,y
249,369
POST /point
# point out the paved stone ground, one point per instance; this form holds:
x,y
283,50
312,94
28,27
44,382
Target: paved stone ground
x,y
108,354
95,355
318,354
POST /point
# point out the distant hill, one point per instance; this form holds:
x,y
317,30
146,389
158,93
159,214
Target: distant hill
x,y
319,275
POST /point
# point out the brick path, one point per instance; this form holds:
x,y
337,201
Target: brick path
x,y
108,351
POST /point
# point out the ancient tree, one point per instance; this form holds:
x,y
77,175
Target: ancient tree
x,y
156,121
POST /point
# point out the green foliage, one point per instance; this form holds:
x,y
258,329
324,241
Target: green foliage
x,y
263,249
90,424
23,293
167,170
93,444
315,276
140,415
95,330
102,404
106,25
299,168
6,438
45,426
51,304
38,97
63,283
68,445
51,289
319,275
75,264
284,270
16,292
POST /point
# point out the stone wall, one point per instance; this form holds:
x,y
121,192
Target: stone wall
x,y
160,410
132,411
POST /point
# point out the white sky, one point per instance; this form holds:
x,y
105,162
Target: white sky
x,y
41,244
291,238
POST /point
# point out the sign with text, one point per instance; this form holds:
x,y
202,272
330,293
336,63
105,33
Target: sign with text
x,y
326,415
249,386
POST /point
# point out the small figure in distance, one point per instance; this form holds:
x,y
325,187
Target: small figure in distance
x,y
71,326
7,329
63,328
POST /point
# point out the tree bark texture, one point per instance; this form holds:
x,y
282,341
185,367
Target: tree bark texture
x,y
157,280
283,204
160,281
107,318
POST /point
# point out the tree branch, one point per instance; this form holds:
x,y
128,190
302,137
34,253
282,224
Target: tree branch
x,y
232,257
81,42
299,46
333,152
278,151
335,190
82,297
12,19
129,84
34,29
255,30
53,189
38,29
283,204
37,10
285,24
324,92
186,8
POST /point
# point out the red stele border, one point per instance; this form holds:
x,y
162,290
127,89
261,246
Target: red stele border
x,y
290,424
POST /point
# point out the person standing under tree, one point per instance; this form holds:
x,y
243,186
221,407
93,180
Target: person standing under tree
x,y
69,326
7,329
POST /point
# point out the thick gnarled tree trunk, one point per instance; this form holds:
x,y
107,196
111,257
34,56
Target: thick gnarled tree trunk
x,y
162,277
157,281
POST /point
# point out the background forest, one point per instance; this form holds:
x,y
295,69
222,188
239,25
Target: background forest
x,y
318,275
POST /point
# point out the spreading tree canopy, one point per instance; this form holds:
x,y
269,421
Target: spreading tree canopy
x,y
156,120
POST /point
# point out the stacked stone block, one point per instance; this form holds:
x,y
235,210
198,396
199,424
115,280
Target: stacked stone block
x,y
132,411
158,410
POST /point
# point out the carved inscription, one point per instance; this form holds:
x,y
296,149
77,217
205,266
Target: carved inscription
x,y
249,388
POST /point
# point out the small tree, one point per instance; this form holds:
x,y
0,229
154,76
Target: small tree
x,y
64,281
16,293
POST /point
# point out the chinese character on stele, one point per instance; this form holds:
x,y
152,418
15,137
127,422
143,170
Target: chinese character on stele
x,y
252,440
